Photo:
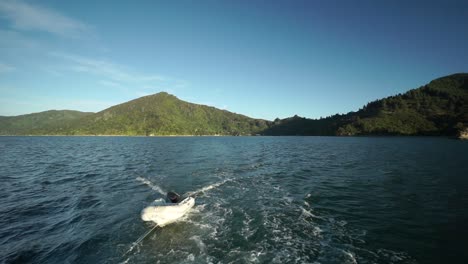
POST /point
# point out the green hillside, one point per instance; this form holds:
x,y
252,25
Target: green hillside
x,y
438,108
38,123
164,114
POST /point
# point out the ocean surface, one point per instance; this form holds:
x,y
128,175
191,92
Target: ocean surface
x,y
258,199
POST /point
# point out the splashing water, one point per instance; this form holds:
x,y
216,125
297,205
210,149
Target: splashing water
x,y
151,185
288,200
158,189
207,188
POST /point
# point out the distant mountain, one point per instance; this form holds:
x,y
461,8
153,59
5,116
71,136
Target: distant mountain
x,y
38,123
165,114
438,108
158,114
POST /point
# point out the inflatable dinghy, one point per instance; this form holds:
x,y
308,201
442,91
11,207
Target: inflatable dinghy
x,y
163,213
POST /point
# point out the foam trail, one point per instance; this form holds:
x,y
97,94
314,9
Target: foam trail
x,y
207,188
151,185
309,213
139,240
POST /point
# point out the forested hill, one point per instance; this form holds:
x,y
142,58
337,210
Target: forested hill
x,y
38,123
158,114
438,108
165,114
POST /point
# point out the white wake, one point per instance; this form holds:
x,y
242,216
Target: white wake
x,y
151,185
207,188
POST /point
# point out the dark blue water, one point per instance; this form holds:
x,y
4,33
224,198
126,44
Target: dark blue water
x,y
266,199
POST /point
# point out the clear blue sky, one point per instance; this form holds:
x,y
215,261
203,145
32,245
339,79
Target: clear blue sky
x,y
264,59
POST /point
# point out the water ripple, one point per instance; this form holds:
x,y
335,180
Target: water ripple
x,y
259,199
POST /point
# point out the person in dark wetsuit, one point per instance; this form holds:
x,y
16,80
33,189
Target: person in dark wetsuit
x,y
173,197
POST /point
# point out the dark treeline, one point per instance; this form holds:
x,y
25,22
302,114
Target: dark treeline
x,y
438,108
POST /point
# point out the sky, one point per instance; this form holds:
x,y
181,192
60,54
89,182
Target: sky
x,y
263,59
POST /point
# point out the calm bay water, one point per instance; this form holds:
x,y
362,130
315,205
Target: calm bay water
x,y
265,199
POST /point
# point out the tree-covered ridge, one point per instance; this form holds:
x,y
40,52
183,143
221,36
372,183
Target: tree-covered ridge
x,y
438,108
158,114
165,114
38,123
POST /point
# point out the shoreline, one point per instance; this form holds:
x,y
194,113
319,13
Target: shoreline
x,y
160,136
124,136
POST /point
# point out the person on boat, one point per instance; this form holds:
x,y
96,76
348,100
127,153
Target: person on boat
x,y
173,197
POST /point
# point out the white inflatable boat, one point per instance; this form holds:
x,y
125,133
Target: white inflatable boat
x,y
163,213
